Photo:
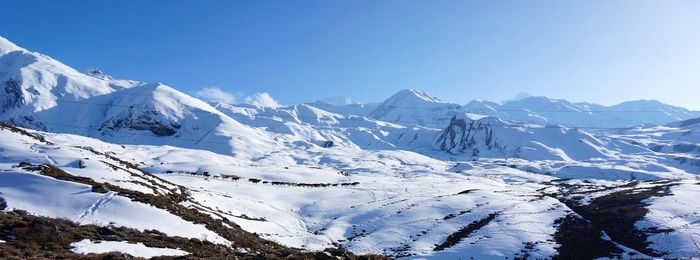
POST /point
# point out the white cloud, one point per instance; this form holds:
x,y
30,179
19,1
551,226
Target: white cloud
x,y
215,94
262,100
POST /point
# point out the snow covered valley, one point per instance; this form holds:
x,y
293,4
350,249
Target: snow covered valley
x,y
90,166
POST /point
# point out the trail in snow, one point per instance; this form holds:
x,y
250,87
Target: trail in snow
x,y
90,211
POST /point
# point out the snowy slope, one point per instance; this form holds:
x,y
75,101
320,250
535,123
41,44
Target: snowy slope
x,y
409,196
28,189
175,118
677,215
678,143
138,250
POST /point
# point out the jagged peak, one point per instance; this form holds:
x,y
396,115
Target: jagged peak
x,y
97,73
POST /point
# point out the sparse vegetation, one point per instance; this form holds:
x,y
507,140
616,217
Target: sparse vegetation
x,y
579,239
29,236
615,214
464,232
21,131
255,246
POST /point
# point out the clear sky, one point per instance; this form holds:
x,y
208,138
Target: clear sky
x,y
600,51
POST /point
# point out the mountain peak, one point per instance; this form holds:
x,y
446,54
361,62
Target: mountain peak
x,y
414,95
7,46
411,107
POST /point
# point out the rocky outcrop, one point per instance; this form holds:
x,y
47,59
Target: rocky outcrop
x,y
12,95
97,73
150,120
327,144
469,135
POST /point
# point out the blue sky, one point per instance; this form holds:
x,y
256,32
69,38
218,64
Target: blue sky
x,y
599,51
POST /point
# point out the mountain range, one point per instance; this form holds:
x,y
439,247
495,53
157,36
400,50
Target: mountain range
x,y
94,163
414,107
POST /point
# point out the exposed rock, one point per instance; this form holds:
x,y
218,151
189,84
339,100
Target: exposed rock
x,y
328,144
466,135
12,95
97,73
150,120
100,188
81,164
579,239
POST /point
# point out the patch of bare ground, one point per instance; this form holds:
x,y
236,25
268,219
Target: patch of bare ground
x,y
579,239
35,237
457,237
615,214
29,236
255,246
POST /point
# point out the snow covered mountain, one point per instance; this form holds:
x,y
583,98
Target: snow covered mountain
x,y
308,124
42,93
34,82
491,137
413,107
543,110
